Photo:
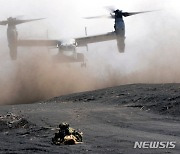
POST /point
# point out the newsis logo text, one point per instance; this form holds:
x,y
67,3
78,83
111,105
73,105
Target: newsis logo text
x,y
155,144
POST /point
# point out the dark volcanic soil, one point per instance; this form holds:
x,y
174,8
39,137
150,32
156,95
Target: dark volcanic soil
x,y
111,119
162,98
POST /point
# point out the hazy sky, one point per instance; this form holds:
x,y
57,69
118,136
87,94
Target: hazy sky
x,y
64,20
64,17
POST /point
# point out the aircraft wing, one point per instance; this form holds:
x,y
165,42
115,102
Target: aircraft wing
x,y
4,22
83,41
38,42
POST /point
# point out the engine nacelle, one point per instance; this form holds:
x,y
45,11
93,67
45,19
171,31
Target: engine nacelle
x,y
119,27
12,36
13,51
121,44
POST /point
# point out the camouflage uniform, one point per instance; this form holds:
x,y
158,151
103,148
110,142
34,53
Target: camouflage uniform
x,y
67,135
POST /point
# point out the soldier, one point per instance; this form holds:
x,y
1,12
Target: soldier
x,y
67,135
64,130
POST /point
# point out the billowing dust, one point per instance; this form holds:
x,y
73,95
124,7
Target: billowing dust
x,y
38,77
34,76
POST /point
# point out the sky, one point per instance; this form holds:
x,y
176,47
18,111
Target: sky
x,y
152,44
64,17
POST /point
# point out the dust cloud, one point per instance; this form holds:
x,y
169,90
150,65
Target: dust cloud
x,y
38,77
152,56
157,53
152,51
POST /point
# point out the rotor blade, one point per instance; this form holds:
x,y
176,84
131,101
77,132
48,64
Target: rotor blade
x,y
4,22
102,16
126,14
24,21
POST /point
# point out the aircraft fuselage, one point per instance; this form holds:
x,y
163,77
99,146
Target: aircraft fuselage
x,y
67,47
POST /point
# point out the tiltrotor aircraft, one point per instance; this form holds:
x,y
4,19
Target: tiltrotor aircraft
x,y
118,34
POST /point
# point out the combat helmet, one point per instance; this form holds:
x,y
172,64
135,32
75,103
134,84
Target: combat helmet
x,y
63,125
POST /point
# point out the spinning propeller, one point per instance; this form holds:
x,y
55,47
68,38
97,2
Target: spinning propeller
x,y
16,21
116,13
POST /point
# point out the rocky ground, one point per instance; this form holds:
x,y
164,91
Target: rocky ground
x,y
111,119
